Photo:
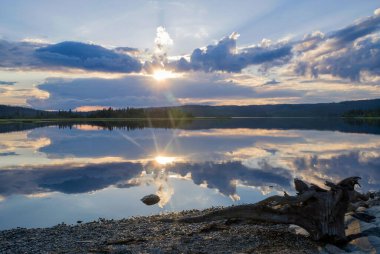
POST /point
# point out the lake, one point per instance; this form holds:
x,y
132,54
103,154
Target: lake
x,y
64,172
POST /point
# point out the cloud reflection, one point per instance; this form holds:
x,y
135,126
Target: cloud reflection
x,y
69,179
82,160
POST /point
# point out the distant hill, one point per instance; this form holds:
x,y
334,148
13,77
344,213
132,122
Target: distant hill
x,y
278,110
19,112
283,110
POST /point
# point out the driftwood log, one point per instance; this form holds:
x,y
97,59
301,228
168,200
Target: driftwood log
x,y
319,211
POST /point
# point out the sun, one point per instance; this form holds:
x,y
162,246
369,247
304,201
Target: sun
x,y
163,160
160,75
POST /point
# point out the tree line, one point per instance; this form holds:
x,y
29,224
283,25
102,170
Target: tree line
x,y
127,113
362,113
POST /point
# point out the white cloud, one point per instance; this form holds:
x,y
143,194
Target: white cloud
x,y
162,43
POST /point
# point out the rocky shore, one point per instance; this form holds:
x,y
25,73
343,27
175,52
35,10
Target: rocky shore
x,y
151,235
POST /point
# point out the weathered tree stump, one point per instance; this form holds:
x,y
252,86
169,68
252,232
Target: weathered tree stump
x,y
319,211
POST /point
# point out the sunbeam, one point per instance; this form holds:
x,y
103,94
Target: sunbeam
x,y
130,139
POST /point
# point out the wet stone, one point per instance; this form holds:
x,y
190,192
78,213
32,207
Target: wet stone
x,y
151,199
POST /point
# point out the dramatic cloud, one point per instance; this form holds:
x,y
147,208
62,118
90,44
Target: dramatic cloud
x,y
284,71
77,55
162,43
346,53
364,55
136,91
225,56
18,55
88,57
357,30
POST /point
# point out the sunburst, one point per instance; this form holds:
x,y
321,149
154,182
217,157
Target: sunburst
x,y
161,75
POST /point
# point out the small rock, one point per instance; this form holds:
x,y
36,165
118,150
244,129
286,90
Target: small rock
x,y
298,230
151,199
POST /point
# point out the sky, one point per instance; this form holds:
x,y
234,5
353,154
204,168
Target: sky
x,y
92,54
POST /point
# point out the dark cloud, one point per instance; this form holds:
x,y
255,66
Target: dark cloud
x,y
7,83
345,53
18,55
27,55
87,56
225,56
363,56
136,91
126,50
358,30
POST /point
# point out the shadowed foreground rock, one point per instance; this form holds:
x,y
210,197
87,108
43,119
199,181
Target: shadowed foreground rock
x,y
319,211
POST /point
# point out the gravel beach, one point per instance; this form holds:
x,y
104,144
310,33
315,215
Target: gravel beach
x,y
151,235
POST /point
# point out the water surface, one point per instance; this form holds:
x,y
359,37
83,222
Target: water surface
x,y
64,172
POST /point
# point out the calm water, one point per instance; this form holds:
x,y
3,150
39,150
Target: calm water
x,y
67,172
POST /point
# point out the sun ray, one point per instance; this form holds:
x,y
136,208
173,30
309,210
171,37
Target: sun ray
x,y
130,139
153,134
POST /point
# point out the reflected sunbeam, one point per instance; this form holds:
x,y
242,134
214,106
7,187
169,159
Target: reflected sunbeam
x,y
130,139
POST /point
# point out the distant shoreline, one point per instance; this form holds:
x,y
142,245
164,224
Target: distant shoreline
x,y
359,108
31,120
351,125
